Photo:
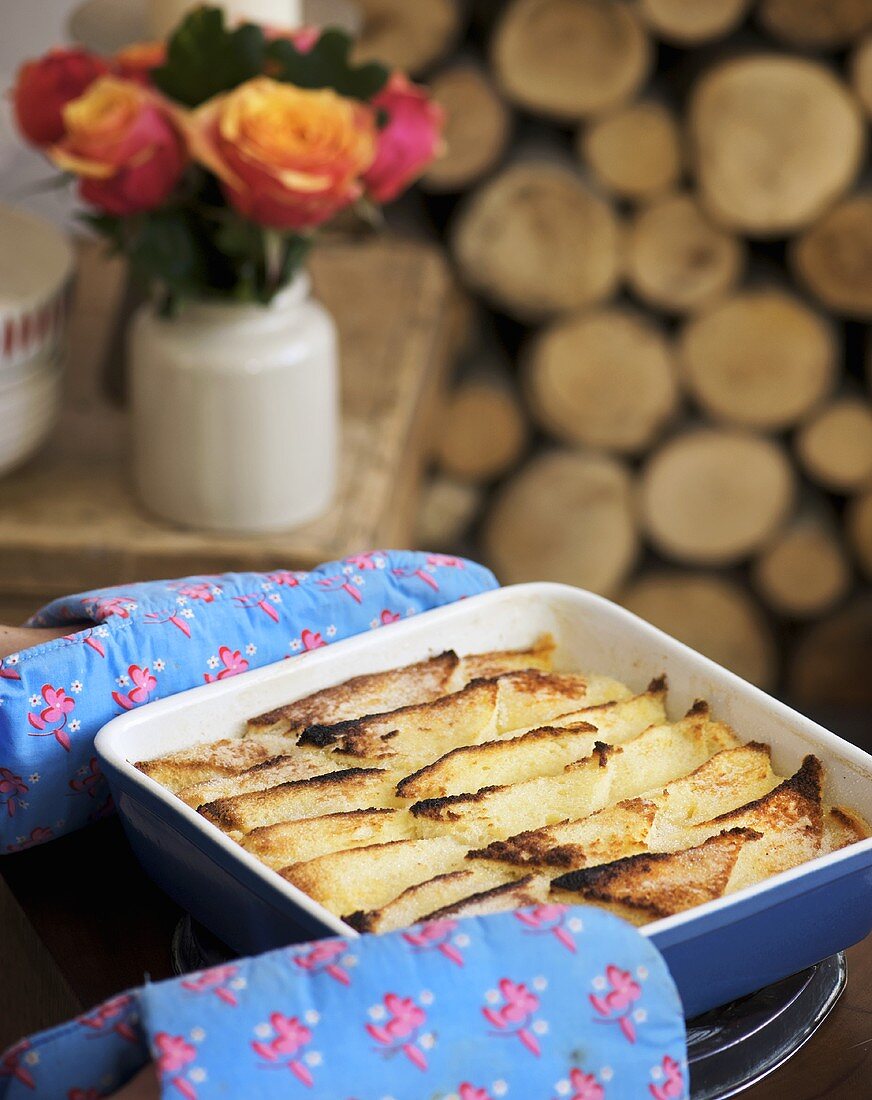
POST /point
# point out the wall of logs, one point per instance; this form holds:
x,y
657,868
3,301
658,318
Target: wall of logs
x,y
661,212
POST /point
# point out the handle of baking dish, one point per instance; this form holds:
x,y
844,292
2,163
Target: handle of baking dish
x,y
549,1001
132,644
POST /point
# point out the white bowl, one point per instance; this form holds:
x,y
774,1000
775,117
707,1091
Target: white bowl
x,y
36,267
29,409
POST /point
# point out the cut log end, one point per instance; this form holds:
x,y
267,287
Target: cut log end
x,y
831,664
835,446
710,614
537,241
407,36
804,572
566,517
605,379
861,73
834,258
761,359
714,496
690,22
677,260
482,431
635,151
759,171
477,127
816,24
858,525
446,511
570,58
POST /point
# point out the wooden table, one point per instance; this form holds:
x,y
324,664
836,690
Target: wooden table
x,y
68,521
80,922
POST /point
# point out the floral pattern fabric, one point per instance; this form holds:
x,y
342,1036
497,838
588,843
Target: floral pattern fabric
x,y
546,1003
150,640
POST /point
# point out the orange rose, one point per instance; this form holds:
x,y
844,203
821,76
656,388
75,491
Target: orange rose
x,y
136,61
288,158
120,142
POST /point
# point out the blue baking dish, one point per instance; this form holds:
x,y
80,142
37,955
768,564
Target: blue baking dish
x,y
716,952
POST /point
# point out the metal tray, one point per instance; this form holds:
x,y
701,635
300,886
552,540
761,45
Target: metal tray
x,y
716,952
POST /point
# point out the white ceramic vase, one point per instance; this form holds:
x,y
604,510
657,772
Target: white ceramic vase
x,y
235,412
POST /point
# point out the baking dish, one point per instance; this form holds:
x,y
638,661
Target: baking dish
x,y
716,952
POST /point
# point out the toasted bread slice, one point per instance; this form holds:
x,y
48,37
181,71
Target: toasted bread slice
x,y
370,877
530,698
351,789
610,774
211,760
530,890
427,730
727,780
412,904
789,820
484,666
613,718
841,828
545,750
370,694
379,692
294,841
300,764
609,834
645,887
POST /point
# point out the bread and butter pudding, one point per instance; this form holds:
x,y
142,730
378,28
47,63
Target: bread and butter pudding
x,y
468,785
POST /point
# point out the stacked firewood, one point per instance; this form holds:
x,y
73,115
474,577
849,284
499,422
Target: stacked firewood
x,y
660,214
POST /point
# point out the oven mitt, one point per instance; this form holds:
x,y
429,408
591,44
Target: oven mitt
x,y
544,1003
147,641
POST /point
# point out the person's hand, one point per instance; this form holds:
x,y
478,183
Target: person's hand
x,y
144,1086
15,638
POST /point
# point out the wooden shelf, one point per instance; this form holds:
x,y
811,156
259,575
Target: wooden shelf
x,y
68,520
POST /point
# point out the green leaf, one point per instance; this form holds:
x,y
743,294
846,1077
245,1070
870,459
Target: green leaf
x,y
327,65
204,58
164,248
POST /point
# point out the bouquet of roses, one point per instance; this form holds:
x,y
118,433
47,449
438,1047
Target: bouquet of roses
x,y
212,158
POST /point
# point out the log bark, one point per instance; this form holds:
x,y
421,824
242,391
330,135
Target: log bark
x,y
408,36
536,241
605,379
634,152
711,614
690,22
713,496
775,140
565,517
858,526
816,24
861,72
677,259
831,664
834,258
761,359
446,511
477,127
835,446
482,430
804,572
570,58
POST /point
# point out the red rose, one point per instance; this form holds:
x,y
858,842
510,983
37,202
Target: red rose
x,y
121,143
408,142
45,86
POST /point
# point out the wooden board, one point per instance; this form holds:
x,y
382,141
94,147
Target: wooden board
x,y
68,521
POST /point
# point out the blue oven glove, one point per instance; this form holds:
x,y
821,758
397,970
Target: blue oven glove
x,y
546,1003
147,641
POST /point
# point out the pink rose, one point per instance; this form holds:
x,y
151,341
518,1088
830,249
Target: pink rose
x,y
409,141
121,143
